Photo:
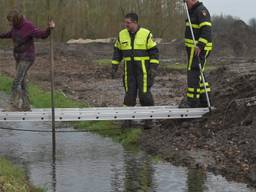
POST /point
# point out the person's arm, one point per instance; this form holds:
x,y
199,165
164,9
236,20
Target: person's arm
x,y
152,50
205,27
7,35
117,57
153,54
42,34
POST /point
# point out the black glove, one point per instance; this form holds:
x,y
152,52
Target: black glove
x,y
114,70
154,69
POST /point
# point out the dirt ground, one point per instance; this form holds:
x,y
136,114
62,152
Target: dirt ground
x,y
223,141
80,76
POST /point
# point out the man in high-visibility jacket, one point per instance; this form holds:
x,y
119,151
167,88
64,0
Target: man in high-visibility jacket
x,y
136,46
202,28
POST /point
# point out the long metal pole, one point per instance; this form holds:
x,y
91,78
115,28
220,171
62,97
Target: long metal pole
x,y
54,181
52,75
200,66
52,88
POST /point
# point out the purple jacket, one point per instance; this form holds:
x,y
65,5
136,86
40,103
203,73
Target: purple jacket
x,y
23,39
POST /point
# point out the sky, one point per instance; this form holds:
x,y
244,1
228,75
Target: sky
x,y
245,9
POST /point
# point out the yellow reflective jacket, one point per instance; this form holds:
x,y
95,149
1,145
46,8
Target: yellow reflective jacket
x,y
138,46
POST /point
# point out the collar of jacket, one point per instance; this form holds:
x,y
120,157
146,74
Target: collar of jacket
x,y
131,33
22,22
197,4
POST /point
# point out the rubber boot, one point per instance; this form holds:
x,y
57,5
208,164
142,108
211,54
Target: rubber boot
x,y
10,108
25,102
25,108
148,124
203,100
194,103
189,103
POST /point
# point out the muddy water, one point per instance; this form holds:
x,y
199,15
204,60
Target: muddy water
x,y
86,162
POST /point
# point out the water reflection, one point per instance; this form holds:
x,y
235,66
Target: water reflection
x,y
196,179
54,178
87,162
138,173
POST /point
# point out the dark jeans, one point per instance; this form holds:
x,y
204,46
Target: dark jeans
x,y
19,96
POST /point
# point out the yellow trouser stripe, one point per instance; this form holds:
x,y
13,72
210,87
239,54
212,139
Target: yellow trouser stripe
x,y
203,40
145,77
208,48
206,84
125,76
190,95
203,90
193,90
192,52
207,53
155,61
144,70
115,62
189,45
127,59
190,41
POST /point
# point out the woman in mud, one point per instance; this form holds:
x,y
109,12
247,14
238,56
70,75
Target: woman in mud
x,y
22,33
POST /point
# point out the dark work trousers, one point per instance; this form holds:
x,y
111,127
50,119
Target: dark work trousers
x,y
138,81
196,93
